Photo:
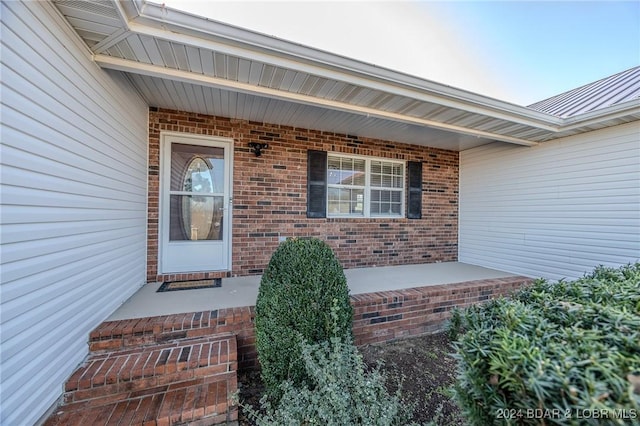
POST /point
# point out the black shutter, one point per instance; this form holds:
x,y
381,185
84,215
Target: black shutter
x,y
414,171
316,184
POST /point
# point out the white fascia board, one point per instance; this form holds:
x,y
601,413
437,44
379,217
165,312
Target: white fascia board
x,y
180,27
130,9
613,112
220,83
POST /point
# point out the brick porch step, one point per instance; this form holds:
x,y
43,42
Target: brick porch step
x,y
204,404
184,381
133,333
114,335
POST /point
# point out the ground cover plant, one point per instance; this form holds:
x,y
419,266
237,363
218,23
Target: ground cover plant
x,y
340,391
554,353
422,365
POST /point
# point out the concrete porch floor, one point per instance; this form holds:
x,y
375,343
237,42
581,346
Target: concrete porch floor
x,y
242,291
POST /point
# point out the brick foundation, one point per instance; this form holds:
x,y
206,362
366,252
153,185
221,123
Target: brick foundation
x,y
378,317
270,197
389,315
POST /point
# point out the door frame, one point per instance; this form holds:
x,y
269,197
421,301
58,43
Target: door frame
x,y
163,193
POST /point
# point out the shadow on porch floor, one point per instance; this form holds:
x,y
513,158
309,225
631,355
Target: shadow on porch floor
x,y
242,291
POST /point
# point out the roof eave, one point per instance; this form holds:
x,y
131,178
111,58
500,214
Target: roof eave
x,y
158,21
614,112
145,18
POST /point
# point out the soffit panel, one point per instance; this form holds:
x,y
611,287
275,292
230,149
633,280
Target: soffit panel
x,y
149,50
164,93
101,13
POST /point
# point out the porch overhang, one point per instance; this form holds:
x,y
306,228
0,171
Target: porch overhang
x,y
177,60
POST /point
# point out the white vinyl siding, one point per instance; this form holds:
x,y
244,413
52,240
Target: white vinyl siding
x,y
74,159
555,210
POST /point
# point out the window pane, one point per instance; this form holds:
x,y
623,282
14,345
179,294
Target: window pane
x,y
333,167
345,171
334,194
387,174
195,217
359,173
346,201
386,202
197,168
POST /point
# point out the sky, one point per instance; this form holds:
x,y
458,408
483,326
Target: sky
x,y
516,51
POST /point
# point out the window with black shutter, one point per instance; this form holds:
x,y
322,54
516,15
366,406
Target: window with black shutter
x,y
340,185
316,184
414,204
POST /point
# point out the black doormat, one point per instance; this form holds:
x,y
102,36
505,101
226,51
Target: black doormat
x,y
189,285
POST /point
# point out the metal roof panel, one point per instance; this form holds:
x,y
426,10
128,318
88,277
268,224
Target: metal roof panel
x,y
621,87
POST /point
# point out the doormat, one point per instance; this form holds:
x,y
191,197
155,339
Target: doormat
x,y
189,285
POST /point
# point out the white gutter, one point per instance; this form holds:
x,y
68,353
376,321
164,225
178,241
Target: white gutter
x,y
126,65
609,113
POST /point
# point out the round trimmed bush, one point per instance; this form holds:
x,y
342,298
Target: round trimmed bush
x,y
302,282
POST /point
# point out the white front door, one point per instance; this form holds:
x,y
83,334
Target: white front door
x,y
195,198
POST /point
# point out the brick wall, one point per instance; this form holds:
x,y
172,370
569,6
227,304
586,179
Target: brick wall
x,y
269,195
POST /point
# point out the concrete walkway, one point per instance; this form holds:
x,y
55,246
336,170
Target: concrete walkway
x,y
242,291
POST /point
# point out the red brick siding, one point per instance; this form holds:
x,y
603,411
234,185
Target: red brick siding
x,y
269,194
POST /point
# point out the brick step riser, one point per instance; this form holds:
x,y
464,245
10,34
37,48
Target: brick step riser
x,y
200,404
135,388
138,341
135,370
145,387
117,335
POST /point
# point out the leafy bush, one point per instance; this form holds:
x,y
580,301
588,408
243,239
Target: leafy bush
x,y
340,391
570,350
301,283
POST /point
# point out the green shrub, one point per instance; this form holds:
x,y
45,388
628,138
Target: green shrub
x,y
340,391
301,283
570,350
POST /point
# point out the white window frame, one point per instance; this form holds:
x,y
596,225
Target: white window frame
x,y
367,187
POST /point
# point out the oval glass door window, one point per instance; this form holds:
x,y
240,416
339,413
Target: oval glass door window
x,y
196,199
